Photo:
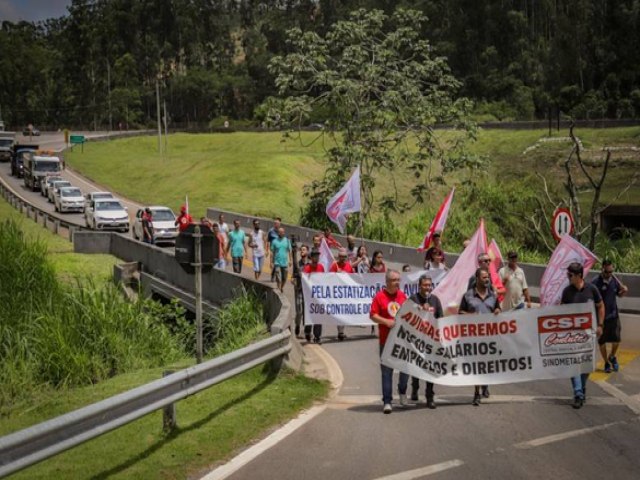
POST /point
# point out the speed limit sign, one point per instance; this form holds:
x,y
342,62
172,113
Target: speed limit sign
x,y
562,223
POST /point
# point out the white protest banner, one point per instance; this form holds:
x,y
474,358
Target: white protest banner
x,y
487,349
345,299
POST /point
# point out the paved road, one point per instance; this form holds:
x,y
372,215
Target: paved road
x,y
524,431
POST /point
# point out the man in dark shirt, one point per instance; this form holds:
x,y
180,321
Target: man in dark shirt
x,y
147,226
480,299
430,303
483,261
610,288
578,291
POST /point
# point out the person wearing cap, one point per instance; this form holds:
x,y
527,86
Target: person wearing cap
x,y
147,225
610,288
314,266
342,265
515,283
579,291
184,219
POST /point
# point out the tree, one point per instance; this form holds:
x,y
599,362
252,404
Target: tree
x,y
385,90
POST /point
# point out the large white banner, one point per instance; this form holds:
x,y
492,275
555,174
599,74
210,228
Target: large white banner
x,y
516,346
345,298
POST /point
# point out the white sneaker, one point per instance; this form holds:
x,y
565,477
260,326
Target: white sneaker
x,y
387,408
404,401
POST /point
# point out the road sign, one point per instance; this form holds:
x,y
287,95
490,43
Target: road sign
x,y
562,223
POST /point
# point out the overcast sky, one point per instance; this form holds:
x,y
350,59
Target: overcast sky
x,y
32,10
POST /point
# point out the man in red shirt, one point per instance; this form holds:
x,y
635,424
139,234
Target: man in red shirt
x,y
331,240
184,219
384,307
314,266
341,266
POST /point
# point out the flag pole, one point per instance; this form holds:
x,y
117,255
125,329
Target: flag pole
x,y
363,199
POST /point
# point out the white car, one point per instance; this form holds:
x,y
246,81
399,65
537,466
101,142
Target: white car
x,y
107,214
53,190
164,224
44,186
91,196
69,199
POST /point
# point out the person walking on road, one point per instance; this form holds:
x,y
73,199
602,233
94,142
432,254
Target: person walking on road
x,y
147,226
610,288
361,262
352,249
297,286
377,264
437,246
480,299
257,242
314,266
222,246
430,303
237,246
331,240
281,258
434,259
341,265
578,291
224,228
384,307
184,219
272,234
515,284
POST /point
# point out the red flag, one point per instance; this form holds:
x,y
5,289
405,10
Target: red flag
x,y
555,279
439,221
347,200
496,262
451,289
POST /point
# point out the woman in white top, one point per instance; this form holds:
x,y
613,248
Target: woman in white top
x,y
361,262
434,260
257,241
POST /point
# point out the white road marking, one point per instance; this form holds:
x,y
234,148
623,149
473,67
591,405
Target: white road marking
x,y
424,471
537,442
632,403
250,454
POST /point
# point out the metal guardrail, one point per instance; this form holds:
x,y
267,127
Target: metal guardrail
x,y
37,214
34,444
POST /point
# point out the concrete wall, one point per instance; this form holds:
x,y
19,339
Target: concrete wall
x,y
402,254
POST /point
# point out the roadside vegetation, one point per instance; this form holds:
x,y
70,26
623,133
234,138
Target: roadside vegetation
x,y
67,340
242,172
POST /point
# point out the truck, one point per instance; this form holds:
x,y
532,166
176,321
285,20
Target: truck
x,y
6,142
37,165
17,154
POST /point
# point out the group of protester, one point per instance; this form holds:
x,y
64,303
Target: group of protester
x,y
481,295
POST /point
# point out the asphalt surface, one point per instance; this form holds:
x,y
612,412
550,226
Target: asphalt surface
x,y
525,430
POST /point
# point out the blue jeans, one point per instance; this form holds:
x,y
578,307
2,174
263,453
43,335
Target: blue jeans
x,y
387,382
579,384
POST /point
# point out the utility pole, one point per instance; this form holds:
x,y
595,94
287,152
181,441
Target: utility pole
x,y
166,149
158,115
109,94
198,294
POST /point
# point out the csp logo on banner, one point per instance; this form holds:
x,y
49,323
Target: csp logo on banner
x,y
565,334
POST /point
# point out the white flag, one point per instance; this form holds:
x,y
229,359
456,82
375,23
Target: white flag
x,y
326,257
347,200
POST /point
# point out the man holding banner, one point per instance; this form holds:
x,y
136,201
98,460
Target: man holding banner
x,y
579,291
383,311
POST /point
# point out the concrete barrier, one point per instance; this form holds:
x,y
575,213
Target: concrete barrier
x,y
217,286
403,254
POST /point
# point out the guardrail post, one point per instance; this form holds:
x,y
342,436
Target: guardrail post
x,y
72,231
56,226
169,420
45,217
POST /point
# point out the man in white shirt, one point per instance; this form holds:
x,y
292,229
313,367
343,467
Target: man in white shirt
x,y
515,284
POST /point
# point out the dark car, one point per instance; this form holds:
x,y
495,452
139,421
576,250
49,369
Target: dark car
x,y
31,131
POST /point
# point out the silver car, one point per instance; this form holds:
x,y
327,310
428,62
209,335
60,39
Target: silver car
x,y
107,214
164,224
44,186
55,188
69,199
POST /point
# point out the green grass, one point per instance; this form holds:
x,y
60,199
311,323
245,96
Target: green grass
x,y
66,263
244,172
211,426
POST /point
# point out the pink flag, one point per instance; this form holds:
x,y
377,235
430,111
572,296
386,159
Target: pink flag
x,y
347,200
454,285
439,221
555,279
326,257
496,262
